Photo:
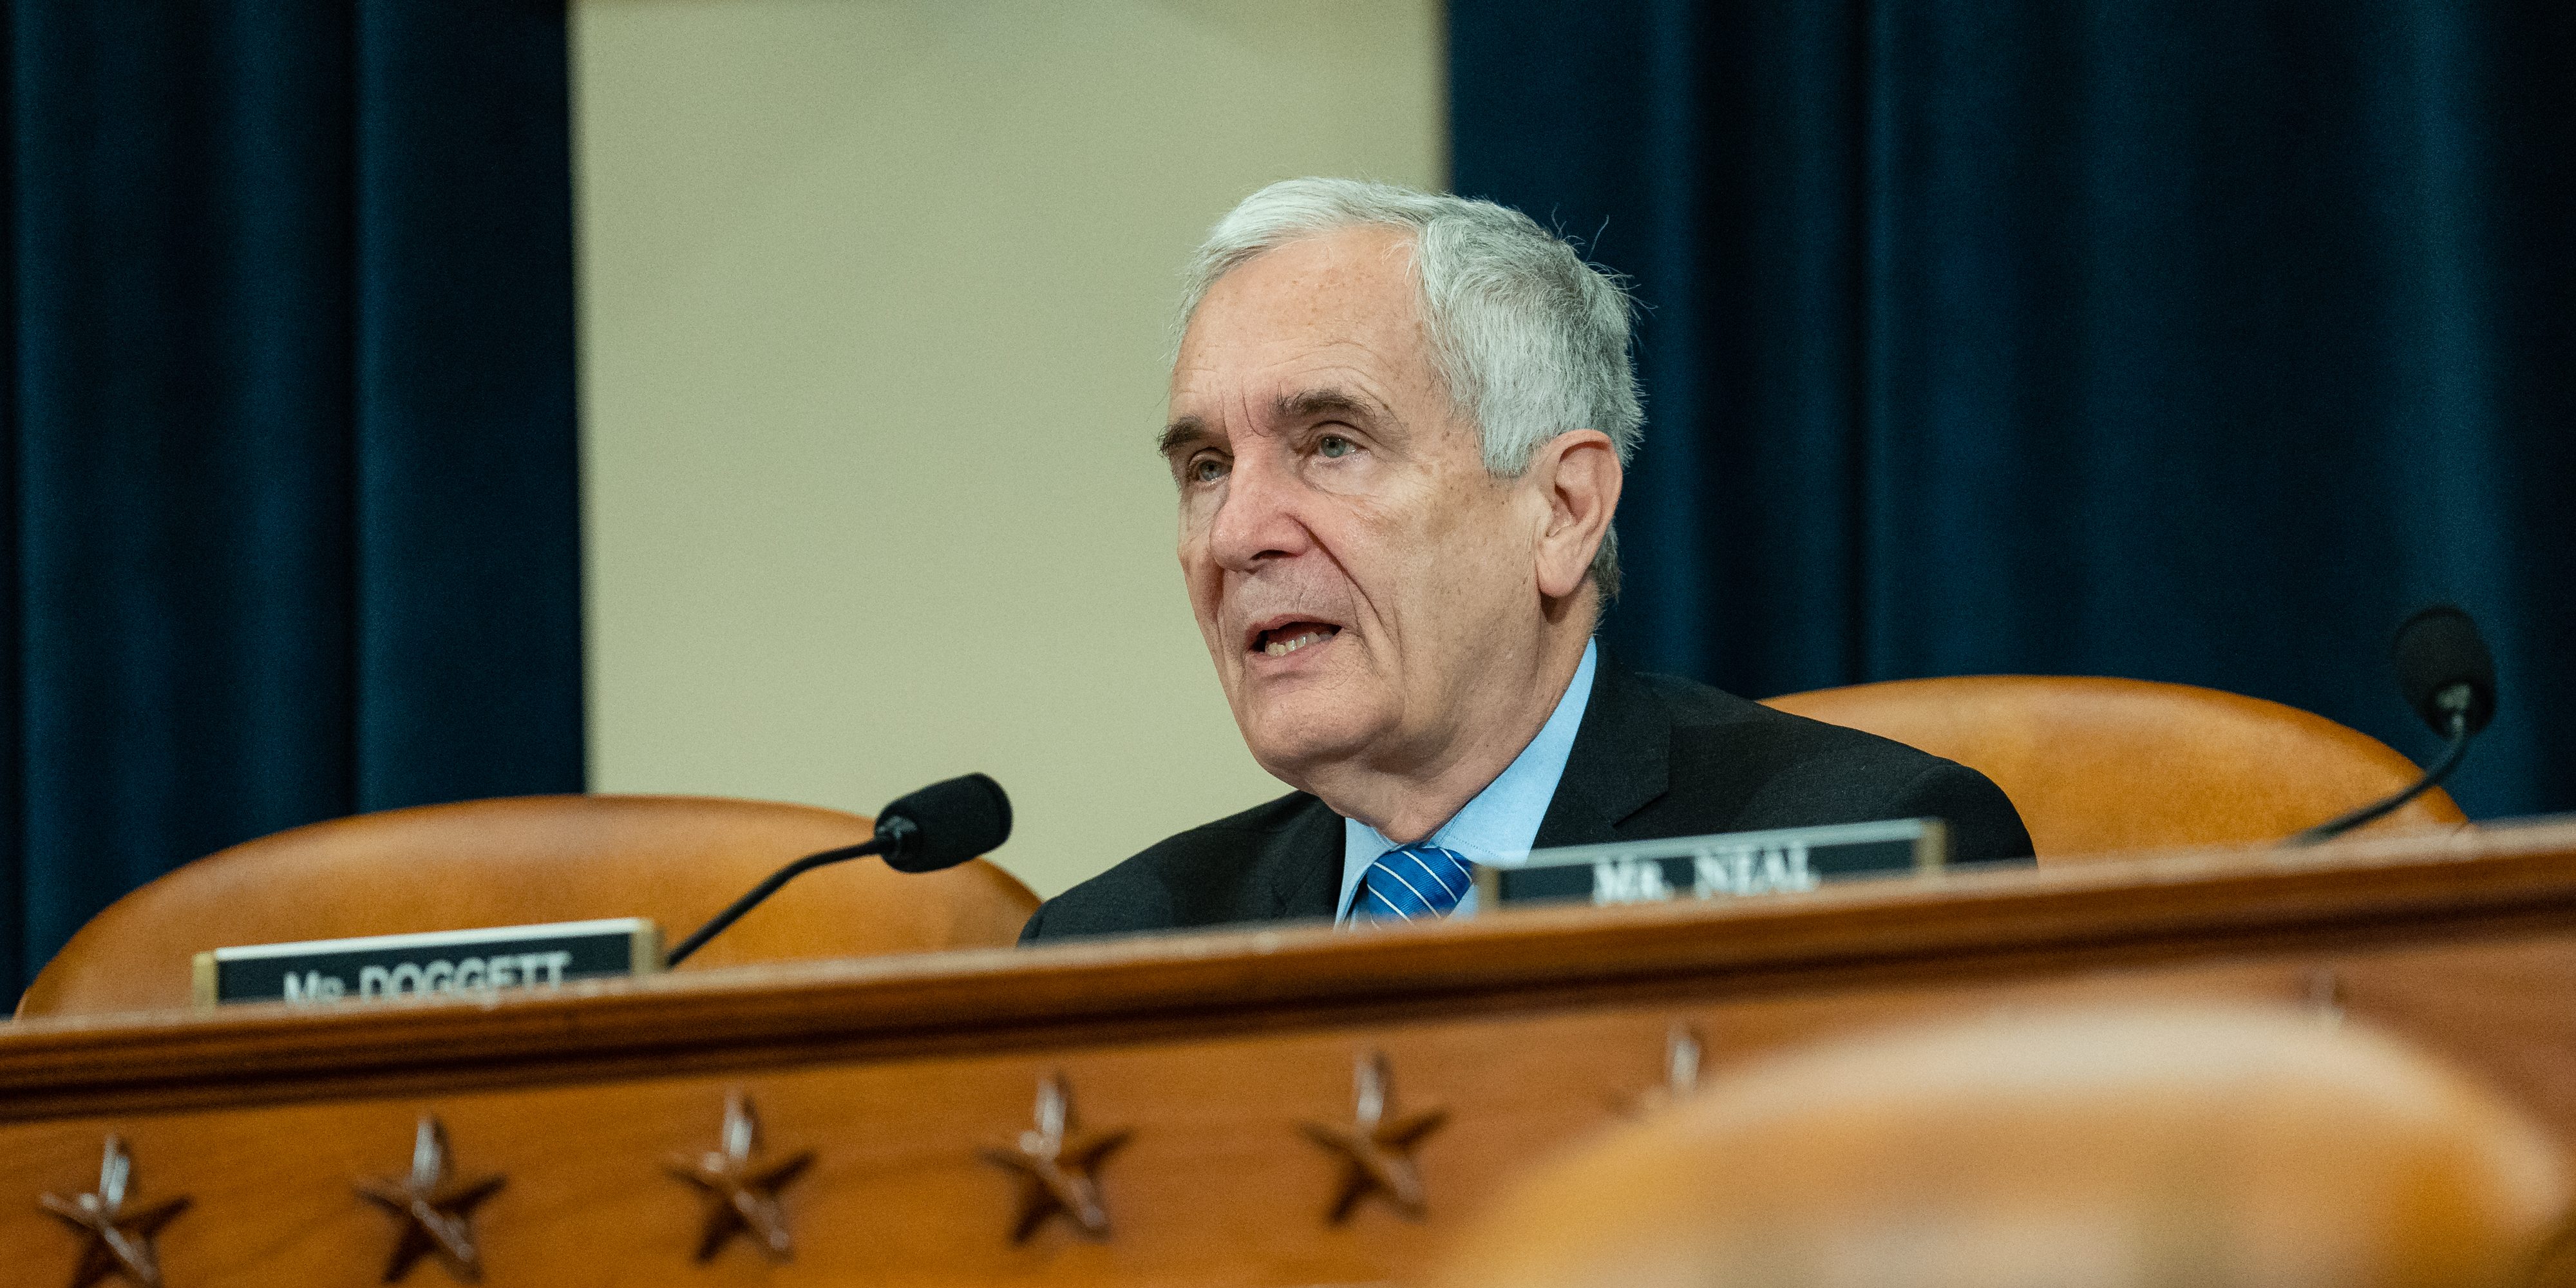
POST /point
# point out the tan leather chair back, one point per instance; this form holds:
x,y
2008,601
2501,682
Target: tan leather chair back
x,y
524,860
2200,1148
2097,765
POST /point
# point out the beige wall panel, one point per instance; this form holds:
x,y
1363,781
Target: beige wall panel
x,y
874,299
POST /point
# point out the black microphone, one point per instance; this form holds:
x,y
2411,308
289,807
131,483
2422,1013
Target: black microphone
x,y
2448,676
2445,671
940,826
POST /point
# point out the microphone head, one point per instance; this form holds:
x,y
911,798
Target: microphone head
x,y
945,824
2437,649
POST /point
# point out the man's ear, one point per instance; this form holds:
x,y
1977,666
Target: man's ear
x,y
1577,474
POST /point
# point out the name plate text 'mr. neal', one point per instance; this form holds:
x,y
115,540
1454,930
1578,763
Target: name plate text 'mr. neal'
x,y
1723,866
443,961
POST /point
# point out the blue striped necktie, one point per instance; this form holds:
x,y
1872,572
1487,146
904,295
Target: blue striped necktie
x,y
1413,883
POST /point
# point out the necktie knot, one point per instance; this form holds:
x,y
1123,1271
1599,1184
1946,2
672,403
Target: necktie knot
x,y
1413,882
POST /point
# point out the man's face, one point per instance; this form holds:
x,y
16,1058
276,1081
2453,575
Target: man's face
x,y
1360,578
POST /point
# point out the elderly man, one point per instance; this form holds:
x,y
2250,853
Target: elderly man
x,y
1398,427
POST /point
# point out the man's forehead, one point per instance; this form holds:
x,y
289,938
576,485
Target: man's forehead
x,y
1366,261
1326,320
1352,286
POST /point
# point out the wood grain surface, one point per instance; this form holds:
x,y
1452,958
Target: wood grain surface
x,y
2099,765
1530,1028
674,860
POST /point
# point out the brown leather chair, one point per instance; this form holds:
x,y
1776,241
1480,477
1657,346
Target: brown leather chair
x,y
523,860
2132,1148
2097,765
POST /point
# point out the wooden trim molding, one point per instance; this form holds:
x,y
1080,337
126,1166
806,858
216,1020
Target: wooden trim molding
x,y
1954,926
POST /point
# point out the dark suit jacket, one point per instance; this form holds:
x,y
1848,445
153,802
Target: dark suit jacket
x,y
1654,757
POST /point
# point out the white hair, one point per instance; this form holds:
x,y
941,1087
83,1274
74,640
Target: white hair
x,y
1530,340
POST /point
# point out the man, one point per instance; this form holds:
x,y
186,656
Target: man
x,y
1398,427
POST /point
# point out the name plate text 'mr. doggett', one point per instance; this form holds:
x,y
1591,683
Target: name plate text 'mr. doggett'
x,y
442,961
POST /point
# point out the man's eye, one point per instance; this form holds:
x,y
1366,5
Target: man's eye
x,y
1206,469
1334,447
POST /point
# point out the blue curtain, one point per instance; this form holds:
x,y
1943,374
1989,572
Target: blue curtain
x,y
2193,342
290,485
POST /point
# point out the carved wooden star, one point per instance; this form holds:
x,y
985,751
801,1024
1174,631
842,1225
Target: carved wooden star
x,y
742,1191
1681,1074
435,1210
1377,1150
1057,1169
119,1242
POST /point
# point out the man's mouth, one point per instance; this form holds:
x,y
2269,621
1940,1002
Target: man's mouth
x,y
1282,640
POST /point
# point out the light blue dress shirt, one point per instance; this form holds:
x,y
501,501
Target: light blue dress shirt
x,y
1495,828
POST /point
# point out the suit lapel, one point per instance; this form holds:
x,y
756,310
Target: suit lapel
x,y
1299,866
1619,763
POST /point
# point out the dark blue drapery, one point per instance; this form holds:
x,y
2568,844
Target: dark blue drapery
x,y
290,488
2189,342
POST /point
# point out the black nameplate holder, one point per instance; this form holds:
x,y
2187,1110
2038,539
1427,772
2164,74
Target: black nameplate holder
x,y
1725,866
463,962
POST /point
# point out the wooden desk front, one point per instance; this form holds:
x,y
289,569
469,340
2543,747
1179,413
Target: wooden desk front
x,y
1214,1051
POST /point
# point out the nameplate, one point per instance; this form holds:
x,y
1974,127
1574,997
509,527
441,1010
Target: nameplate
x,y
1725,866
495,960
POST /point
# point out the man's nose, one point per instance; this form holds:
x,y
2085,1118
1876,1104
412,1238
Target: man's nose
x,y
1258,519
